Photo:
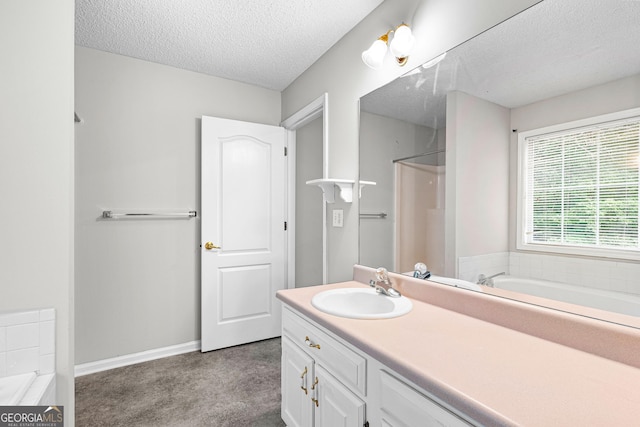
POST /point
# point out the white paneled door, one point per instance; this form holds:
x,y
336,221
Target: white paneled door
x,y
243,237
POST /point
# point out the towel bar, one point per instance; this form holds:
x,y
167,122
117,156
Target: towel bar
x,y
132,215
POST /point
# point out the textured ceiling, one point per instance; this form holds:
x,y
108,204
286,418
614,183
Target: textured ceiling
x,y
267,43
553,48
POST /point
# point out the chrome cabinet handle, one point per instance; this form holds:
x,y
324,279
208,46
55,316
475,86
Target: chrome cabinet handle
x,y
310,343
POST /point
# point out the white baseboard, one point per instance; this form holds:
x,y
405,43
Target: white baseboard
x,y
131,359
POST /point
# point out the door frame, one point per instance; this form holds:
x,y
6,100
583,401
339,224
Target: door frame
x,y
317,108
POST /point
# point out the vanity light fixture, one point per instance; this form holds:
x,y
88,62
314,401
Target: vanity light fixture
x,y
401,46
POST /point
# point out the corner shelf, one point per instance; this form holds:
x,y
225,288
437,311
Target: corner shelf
x,y
344,187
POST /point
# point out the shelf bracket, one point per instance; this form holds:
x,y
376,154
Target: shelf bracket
x,y
343,187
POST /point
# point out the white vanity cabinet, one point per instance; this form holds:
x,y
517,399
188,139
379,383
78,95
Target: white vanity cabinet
x,y
323,381
328,383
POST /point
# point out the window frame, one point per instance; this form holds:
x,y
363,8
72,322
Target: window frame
x,y
521,243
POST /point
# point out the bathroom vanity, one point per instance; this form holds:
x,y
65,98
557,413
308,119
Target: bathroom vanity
x,y
457,359
327,382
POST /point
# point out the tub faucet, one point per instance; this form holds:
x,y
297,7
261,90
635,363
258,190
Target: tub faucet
x,y
383,285
488,281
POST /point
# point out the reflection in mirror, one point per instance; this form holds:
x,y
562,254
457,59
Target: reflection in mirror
x,y
453,124
406,161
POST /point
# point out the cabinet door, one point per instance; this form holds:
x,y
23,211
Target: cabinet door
x,y
297,375
336,406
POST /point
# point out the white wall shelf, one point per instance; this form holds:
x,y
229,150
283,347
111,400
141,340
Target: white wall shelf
x,y
344,187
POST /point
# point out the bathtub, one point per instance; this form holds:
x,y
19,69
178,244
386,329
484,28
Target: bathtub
x,y
617,302
27,389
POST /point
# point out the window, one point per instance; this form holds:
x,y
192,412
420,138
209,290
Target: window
x,y
579,184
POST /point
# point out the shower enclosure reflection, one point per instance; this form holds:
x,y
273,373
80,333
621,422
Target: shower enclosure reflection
x,y
406,206
419,189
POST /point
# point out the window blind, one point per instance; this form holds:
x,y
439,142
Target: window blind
x,y
582,186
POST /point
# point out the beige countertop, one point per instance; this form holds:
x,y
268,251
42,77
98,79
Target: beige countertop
x,y
494,374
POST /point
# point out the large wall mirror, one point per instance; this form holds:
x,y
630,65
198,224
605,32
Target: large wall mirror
x,y
441,141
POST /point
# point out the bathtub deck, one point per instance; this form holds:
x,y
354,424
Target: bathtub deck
x,y
584,310
27,389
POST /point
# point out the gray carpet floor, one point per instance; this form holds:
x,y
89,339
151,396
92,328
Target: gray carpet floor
x,y
233,387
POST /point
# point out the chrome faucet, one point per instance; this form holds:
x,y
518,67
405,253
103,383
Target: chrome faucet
x,y
383,285
488,281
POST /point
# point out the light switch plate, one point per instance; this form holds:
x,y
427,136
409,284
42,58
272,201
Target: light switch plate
x,y
338,217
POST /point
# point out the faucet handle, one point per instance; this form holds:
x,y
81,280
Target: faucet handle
x,y
382,274
420,267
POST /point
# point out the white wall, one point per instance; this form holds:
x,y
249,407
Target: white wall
x,y
308,250
138,282
618,95
36,170
477,179
439,25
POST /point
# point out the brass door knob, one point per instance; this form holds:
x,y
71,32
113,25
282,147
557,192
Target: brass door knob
x,y
208,246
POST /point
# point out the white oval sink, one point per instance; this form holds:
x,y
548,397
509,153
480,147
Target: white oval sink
x,y
359,303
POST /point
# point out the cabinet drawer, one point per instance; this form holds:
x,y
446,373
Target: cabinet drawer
x,y
403,406
346,365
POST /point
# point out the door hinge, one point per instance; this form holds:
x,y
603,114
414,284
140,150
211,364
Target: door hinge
x,y
285,151
366,424
285,226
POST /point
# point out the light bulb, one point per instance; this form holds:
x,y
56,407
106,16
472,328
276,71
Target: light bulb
x,y
402,43
374,56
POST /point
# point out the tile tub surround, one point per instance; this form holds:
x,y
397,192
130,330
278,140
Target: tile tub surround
x,y
482,360
27,346
27,342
